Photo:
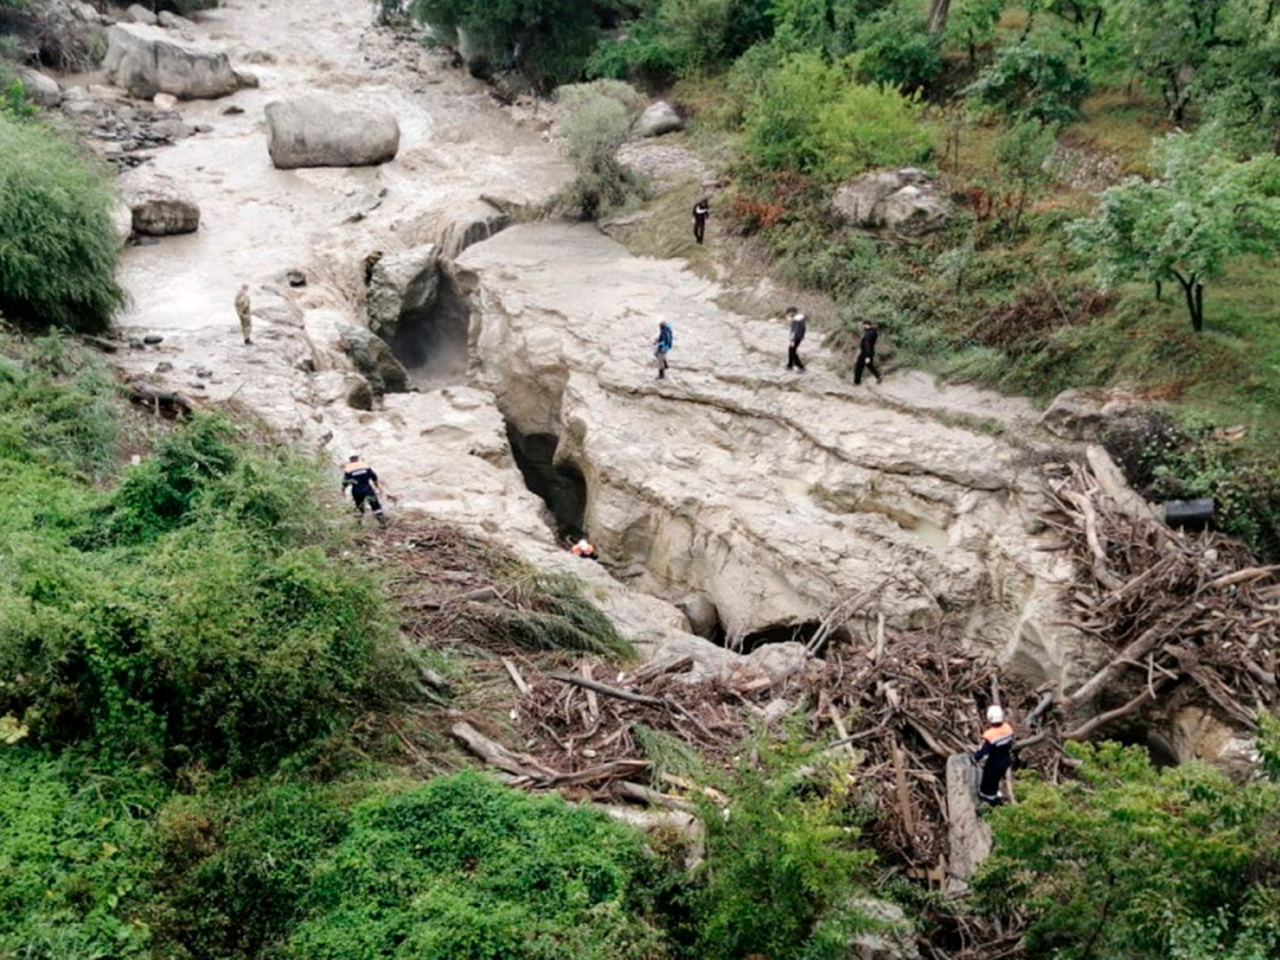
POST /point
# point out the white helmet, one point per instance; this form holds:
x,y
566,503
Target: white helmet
x,y
995,714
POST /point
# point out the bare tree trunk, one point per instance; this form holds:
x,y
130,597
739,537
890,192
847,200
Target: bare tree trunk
x,y
938,13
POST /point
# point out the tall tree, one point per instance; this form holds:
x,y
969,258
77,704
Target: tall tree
x,y
1202,209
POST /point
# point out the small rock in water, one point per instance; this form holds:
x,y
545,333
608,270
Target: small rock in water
x,y
203,128
296,278
165,101
204,374
151,339
232,110
164,366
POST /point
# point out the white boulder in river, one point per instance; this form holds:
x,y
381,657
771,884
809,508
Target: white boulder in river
x,y
147,60
312,131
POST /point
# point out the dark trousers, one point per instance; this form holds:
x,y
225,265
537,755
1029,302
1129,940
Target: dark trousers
x,y
868,363
370,498
699,228
793,357
992,773
662,362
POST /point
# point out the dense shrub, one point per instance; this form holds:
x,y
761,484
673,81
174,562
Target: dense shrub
x,y
897,50
682,38
1130,861
1030,82
548,40
465,869
74,859
811,117
57,245
595,119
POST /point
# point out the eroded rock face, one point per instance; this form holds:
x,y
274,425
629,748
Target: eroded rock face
x,y
148,60
313,131
731,478
399,284
906,201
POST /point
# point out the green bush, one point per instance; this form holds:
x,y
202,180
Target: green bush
x,y
1030,82
595,120
57,244
465,869
1130,861
812,118
548,40
896,49
794,836
682,38
74,861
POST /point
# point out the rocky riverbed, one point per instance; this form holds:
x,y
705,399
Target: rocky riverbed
x,y
733,500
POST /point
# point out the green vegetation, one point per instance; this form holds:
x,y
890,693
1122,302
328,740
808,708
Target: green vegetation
x,y
1129,861
57,245
595,120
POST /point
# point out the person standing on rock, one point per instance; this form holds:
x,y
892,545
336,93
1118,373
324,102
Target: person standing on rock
x,y
997,750
701,210
662,346
363,482
797,337
867,353
242,310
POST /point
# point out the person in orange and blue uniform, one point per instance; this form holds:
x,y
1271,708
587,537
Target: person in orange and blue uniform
x,y
997,750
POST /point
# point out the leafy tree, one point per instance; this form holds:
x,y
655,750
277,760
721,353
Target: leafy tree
x,y
57,244
974,24
548,40
1202,209
1133,862
1021,153
897,50
1032,80
827,27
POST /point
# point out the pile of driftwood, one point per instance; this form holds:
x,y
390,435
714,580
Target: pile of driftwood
x,y
1189,617
894,710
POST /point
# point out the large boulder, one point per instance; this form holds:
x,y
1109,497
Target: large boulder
x,y
373,358
658,118
160,207
312,131
147,60
40,88
401,285
1087,414
137,13
907,201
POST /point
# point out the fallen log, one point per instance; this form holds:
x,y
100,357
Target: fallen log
x,y
144,393
608,691
495,754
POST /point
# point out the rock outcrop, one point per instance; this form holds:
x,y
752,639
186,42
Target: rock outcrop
x,y
41,89
401,285
312,131
147,60
159,206
906,201
658,118
968,835
1087,414
730,479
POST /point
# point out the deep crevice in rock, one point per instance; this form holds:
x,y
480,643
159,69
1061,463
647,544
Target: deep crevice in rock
x,y
778,633
562,487
432,342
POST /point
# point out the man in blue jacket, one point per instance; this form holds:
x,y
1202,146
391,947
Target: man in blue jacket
x,y
363,482
662,347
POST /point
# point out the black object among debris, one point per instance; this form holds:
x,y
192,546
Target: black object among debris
x,y
1189,514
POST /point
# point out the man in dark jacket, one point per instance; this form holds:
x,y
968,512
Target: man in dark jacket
x,y
997,749
797,337
867,353
701,210
363,482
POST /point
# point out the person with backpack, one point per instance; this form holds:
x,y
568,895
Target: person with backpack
x,y
797,336
662,346
701,210
867,353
